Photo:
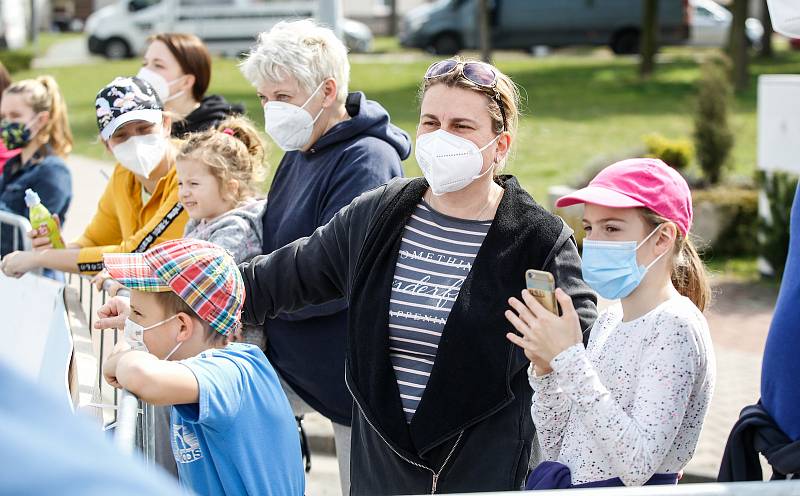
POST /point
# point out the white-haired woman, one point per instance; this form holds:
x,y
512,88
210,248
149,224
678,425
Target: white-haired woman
x,y
338,145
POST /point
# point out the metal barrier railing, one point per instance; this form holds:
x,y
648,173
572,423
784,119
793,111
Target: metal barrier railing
x,y
132,420
135,427
19,226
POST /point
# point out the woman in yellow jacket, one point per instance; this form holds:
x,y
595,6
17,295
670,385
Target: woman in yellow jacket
x,y
139,208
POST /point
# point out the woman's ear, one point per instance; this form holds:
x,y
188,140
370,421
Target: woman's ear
x,y
188,83
503,146
329,89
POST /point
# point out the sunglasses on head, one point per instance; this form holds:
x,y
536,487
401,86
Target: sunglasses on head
x,y
481,74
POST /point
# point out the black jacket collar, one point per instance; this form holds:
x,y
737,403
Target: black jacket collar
x,y
475,362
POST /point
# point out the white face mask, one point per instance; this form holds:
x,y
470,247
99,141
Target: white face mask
x,y
288,125
785,15
449,162
134,336
160,84
141,154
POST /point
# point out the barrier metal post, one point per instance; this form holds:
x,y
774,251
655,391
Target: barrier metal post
x,y
20,227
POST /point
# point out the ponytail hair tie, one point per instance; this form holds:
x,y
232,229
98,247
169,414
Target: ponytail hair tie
x,y
228,131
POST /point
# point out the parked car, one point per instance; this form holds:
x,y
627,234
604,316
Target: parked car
x,y
711,25
228,27
447,26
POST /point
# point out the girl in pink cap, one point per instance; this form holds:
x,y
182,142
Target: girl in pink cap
x,y
627,409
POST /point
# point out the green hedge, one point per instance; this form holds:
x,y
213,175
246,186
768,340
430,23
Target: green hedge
x,y
780,189
16,60
676,153
739,207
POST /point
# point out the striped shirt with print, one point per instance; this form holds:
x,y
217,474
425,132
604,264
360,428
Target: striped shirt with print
x,y
436,255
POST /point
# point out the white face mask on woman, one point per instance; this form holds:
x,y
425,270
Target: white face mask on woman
x,y
450,162
288,125
141,154
160,84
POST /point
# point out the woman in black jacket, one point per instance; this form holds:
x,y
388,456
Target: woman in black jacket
x,y
427,266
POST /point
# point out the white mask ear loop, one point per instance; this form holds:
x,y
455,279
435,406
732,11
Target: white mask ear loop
x,y
491,168
314,121
173,350
651,264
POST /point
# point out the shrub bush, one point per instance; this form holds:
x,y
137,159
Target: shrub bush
x,y
713,137
16,60
737,213
773,236
676,153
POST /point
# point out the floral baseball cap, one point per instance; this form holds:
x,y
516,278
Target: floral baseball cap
x,y
123,100
202,274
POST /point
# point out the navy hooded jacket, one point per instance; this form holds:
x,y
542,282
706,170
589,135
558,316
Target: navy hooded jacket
x,y
359,154
780,370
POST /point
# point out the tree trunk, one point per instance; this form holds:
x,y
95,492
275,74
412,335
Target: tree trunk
x,y
392,17
649,38
738,46
485,31
766,40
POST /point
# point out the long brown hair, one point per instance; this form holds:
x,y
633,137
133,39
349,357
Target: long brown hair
x,y
193,57
43,95
688,272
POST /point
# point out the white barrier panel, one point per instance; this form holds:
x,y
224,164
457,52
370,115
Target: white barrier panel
x,y
35,331
772,488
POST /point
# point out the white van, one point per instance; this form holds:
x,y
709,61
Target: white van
x,y
228,27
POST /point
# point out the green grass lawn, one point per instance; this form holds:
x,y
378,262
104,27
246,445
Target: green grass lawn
x,y
576,107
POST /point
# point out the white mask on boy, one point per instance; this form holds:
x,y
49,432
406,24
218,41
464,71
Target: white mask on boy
x,y
134,336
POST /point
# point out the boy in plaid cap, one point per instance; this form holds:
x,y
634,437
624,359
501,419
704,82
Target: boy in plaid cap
x,y
233,431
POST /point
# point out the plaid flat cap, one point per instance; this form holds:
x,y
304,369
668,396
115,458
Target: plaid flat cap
x,y
204,275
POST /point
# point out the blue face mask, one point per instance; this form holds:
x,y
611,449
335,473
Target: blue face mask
x,y
610,267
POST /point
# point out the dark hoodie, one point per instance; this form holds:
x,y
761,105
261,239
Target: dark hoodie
x,y
212,110
308,348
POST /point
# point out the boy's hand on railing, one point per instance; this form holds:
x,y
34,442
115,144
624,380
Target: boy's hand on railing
x,y
112,315
111,362
40,236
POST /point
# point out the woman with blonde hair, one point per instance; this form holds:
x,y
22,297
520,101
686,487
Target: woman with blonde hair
x,y
441,397
33,120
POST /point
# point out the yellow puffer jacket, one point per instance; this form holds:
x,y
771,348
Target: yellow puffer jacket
x,y
123,225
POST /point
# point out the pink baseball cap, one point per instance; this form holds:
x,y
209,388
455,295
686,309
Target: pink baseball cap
x,y
639,182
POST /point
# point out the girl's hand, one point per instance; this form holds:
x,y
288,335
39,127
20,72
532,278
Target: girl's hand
x,y
18,263
544,334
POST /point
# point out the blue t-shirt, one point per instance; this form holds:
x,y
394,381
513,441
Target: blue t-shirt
x,y
241,437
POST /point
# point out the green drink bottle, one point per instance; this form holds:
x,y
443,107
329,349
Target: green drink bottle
x,y
40,215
